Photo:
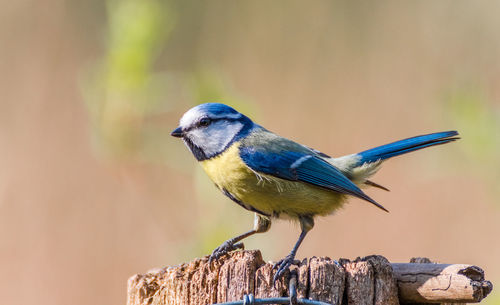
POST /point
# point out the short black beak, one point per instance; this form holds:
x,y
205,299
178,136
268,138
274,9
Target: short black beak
x,y
177,133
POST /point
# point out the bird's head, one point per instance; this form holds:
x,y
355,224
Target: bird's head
x,y
208,129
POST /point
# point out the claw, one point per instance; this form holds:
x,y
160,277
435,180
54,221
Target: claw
x,y
223,249
283,265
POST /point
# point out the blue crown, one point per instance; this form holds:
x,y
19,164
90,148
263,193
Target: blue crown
x,y
216,109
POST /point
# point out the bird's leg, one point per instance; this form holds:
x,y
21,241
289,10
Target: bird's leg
x,y
306,224
261,224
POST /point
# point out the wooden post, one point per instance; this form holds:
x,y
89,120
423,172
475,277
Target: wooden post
x,y
370,280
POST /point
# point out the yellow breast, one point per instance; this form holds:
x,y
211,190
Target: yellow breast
x,y
271,195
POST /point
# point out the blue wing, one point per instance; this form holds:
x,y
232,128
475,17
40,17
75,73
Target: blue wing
x,y
267,153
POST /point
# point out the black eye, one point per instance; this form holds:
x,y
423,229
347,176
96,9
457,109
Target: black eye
x,y
204,122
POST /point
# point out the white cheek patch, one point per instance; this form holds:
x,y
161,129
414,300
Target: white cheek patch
x,y
214,138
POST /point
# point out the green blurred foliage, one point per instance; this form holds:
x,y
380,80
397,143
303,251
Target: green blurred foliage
x,y
128,95
477,118
121,90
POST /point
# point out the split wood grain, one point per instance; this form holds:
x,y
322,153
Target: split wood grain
x,y
386,288
326,280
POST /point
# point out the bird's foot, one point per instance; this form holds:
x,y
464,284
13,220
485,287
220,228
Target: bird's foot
x,y
283,265
223,249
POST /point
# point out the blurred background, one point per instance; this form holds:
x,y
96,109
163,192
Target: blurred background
x,y
93,189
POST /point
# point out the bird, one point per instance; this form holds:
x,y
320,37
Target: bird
x,y
277,178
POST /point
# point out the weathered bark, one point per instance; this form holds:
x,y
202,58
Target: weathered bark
x,y
386,289
237,275
360,289
369,280
326,280
264,287
303,272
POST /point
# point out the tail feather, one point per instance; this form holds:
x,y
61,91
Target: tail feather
x,y
405,146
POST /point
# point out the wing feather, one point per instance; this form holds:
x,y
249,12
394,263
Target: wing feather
x,y
279,157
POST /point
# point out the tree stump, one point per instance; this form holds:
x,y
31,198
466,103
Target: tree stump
x,y
371,280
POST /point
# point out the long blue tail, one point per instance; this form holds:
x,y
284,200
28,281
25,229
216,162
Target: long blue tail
x,y
407,145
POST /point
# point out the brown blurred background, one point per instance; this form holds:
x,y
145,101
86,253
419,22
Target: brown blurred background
x,y
93,189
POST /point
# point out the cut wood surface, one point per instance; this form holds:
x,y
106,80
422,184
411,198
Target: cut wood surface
x,y
368,280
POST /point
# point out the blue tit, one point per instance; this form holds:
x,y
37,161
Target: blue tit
x,y
278,178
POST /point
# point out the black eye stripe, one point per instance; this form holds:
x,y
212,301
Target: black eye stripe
x,y
212,120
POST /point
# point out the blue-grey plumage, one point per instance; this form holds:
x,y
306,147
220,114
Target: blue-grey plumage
x,y
276,177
